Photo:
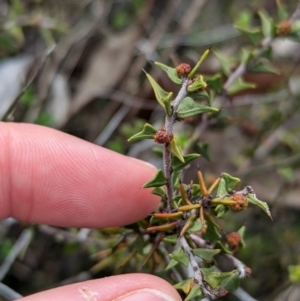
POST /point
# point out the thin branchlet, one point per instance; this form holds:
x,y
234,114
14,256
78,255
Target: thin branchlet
x,y
169,122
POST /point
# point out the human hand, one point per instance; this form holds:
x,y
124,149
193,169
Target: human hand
x,y
53,178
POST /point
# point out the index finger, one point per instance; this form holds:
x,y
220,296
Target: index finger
x,y
47,176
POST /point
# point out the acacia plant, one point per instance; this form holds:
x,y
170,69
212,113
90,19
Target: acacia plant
x,y
185,229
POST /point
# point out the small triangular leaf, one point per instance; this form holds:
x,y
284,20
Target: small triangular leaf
x,y
158,180
178,165
254,34
215,82
206,254
172,264
230,181
171,72
223,249
239,85
241,231
147,132
158,191
171,239
221,210
263,205
198,84
231,283
188,107
226,62
196,226
180,256
281,11
175,150
194,293
203,149
222,191
267,24
263,66
184,285
160,94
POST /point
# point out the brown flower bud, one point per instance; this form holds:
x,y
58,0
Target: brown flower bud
x,y
233,239
240,202
183,69
284,28
162,137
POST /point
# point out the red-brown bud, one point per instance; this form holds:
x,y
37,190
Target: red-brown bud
x,y
284,28
240,202
233,239
162,137
183,69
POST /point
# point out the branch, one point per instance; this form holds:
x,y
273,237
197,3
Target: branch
x,y
206,289
19,246
169,122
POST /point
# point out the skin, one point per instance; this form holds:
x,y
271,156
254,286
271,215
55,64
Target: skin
x,y
53,178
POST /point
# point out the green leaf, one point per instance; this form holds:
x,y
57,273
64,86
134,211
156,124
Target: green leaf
x,y
198,84
154,220
184,285
180,256
202,148
215,278
171,239
202,58
226,62
263,205
212,233
179,165
241,231
147,132
139,244
172,264
230,181
215,82
281,11
188,107
206,254
254,34
263,66
246,56
175,177
244,19
267,24
194,293
221,210
161,95
175,150
171,72
158,180
222,191
158,191
231,283
196,226
294,273
239,85
223,249
199,95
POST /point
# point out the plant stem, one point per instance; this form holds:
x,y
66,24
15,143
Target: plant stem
x,y
169,122
206,289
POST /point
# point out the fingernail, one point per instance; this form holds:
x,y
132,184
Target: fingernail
x,y
146,295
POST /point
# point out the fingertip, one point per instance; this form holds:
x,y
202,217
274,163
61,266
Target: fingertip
x,y
129,287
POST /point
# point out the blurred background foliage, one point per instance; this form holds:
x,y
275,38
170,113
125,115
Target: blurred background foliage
x,y
77,66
